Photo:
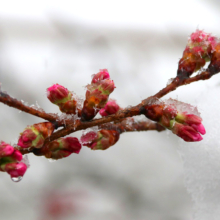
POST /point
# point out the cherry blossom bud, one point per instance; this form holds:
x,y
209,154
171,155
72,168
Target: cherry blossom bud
x,y
5,149
63,147
57,94
168,114
191,120
187,133
10,161
97,95
101,140
199,50
16,169
101,75
35,135
62,97
110,108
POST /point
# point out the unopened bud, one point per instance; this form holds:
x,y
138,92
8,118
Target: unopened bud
x,y
110,108
63,147
35,135
101,140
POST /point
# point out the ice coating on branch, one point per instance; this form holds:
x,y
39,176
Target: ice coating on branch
x,y
35,135
11,161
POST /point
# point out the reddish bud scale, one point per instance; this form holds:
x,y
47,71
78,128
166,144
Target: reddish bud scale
x,y
97,95
62,147
35,135
101,140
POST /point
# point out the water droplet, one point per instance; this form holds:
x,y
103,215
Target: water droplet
x,y
16,179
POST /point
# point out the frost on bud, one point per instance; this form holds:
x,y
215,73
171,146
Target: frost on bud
x,y
63,147
199,50
170,114
35,135
110,108
62,97
101,140
10,161
97,94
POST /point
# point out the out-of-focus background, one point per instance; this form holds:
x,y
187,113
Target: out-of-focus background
x,y
139,42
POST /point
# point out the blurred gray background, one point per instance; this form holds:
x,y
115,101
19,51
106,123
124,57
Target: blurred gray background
x,y
65,42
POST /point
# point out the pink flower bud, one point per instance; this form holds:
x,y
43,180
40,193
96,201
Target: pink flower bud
x,y
5,149
110,108
102,140
186,132
17,155
16,169
57,94
35,135
192,120
101,75
63,147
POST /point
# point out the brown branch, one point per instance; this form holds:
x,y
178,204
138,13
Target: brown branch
x,y
121,127
180,82
72,126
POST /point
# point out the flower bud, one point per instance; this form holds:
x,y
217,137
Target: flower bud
x,y
101,75
57,94
62,97
35,135
97,95
187,133
10,161
187,126
63,147
199,49
5,149
110,108
191,120
16,169
101,140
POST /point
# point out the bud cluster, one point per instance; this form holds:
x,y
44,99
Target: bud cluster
x,y
10,161
199,50
187,126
